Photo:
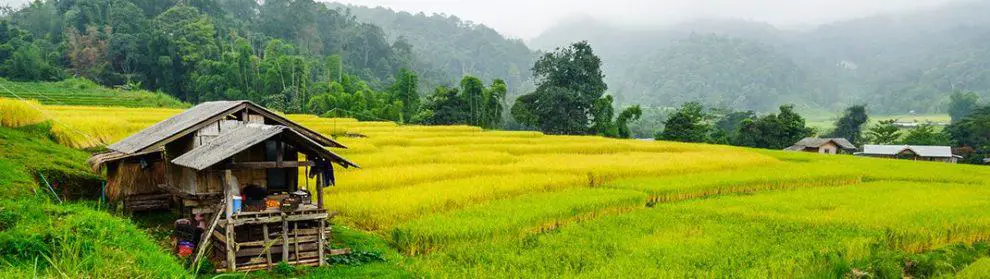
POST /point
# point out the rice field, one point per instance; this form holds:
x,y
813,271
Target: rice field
x,y
462,202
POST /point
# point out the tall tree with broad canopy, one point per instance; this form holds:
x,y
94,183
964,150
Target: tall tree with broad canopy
x,y
568,82
884,132
687,125
773,131
961,104
850,125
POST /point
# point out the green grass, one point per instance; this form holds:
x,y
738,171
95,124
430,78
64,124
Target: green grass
x,y
978,269
41,237
83,92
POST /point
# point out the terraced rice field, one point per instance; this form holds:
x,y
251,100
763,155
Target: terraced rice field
x,y
459,201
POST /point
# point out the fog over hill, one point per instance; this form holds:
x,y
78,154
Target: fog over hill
x,y
895,56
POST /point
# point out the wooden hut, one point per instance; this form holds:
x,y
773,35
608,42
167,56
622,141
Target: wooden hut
x,y
234,167
823,145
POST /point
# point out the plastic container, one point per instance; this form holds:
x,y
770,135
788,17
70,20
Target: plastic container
x,y
237,203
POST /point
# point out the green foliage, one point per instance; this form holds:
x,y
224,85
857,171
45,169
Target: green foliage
x,y
686,125
20,58
897,62
569,82
627,115
83,92
973,131
773,131
41,238
883,132
926,134
447,47
961,104
849,126
406,90
471,104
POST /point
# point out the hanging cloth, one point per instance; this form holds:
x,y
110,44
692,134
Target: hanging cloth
x,y
324,168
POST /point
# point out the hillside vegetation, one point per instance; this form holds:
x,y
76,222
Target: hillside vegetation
x,y
459,201
42,237
895,63
83,92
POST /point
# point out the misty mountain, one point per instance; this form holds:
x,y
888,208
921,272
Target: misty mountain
x,y
447,47
895,63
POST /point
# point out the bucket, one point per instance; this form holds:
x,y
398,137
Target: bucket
x,y
237,202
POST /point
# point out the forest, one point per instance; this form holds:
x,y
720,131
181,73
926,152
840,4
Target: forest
x,y
293,56
897,63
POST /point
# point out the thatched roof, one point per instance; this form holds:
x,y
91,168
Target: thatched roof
x,y
199,116
818,142
243,137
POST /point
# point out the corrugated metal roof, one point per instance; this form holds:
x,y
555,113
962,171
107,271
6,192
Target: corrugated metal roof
x,y
818,142
205,112
226,145
173,125
920,150
243,137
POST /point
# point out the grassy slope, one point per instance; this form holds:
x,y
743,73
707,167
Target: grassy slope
x,y
83,92
41,237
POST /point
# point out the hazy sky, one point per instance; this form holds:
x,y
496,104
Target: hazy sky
x,y
528,18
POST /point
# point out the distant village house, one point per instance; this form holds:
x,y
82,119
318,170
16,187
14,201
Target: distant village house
x,y
823,146
911,152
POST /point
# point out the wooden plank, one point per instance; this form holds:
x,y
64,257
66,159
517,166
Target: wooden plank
x,y
261,243
276,249
267,165
295,237
268,254
285,238
321,242
290,218
231,257
220,238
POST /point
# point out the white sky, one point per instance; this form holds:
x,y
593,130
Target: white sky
x,y
528,18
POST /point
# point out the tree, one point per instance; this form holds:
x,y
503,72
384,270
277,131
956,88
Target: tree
x,y
627,115
773,131
926,134
443,107
884,132
686,125
961,104
601,121
568,82
973,131
406,90
494,101
472,92
727,127
849,126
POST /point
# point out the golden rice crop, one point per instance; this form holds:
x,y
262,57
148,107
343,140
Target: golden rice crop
x,y
507,203
16,113
376,210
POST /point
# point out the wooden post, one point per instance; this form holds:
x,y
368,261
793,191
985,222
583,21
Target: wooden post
x,y
319,190
231,246
267,247
285,239
295,234
319,246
